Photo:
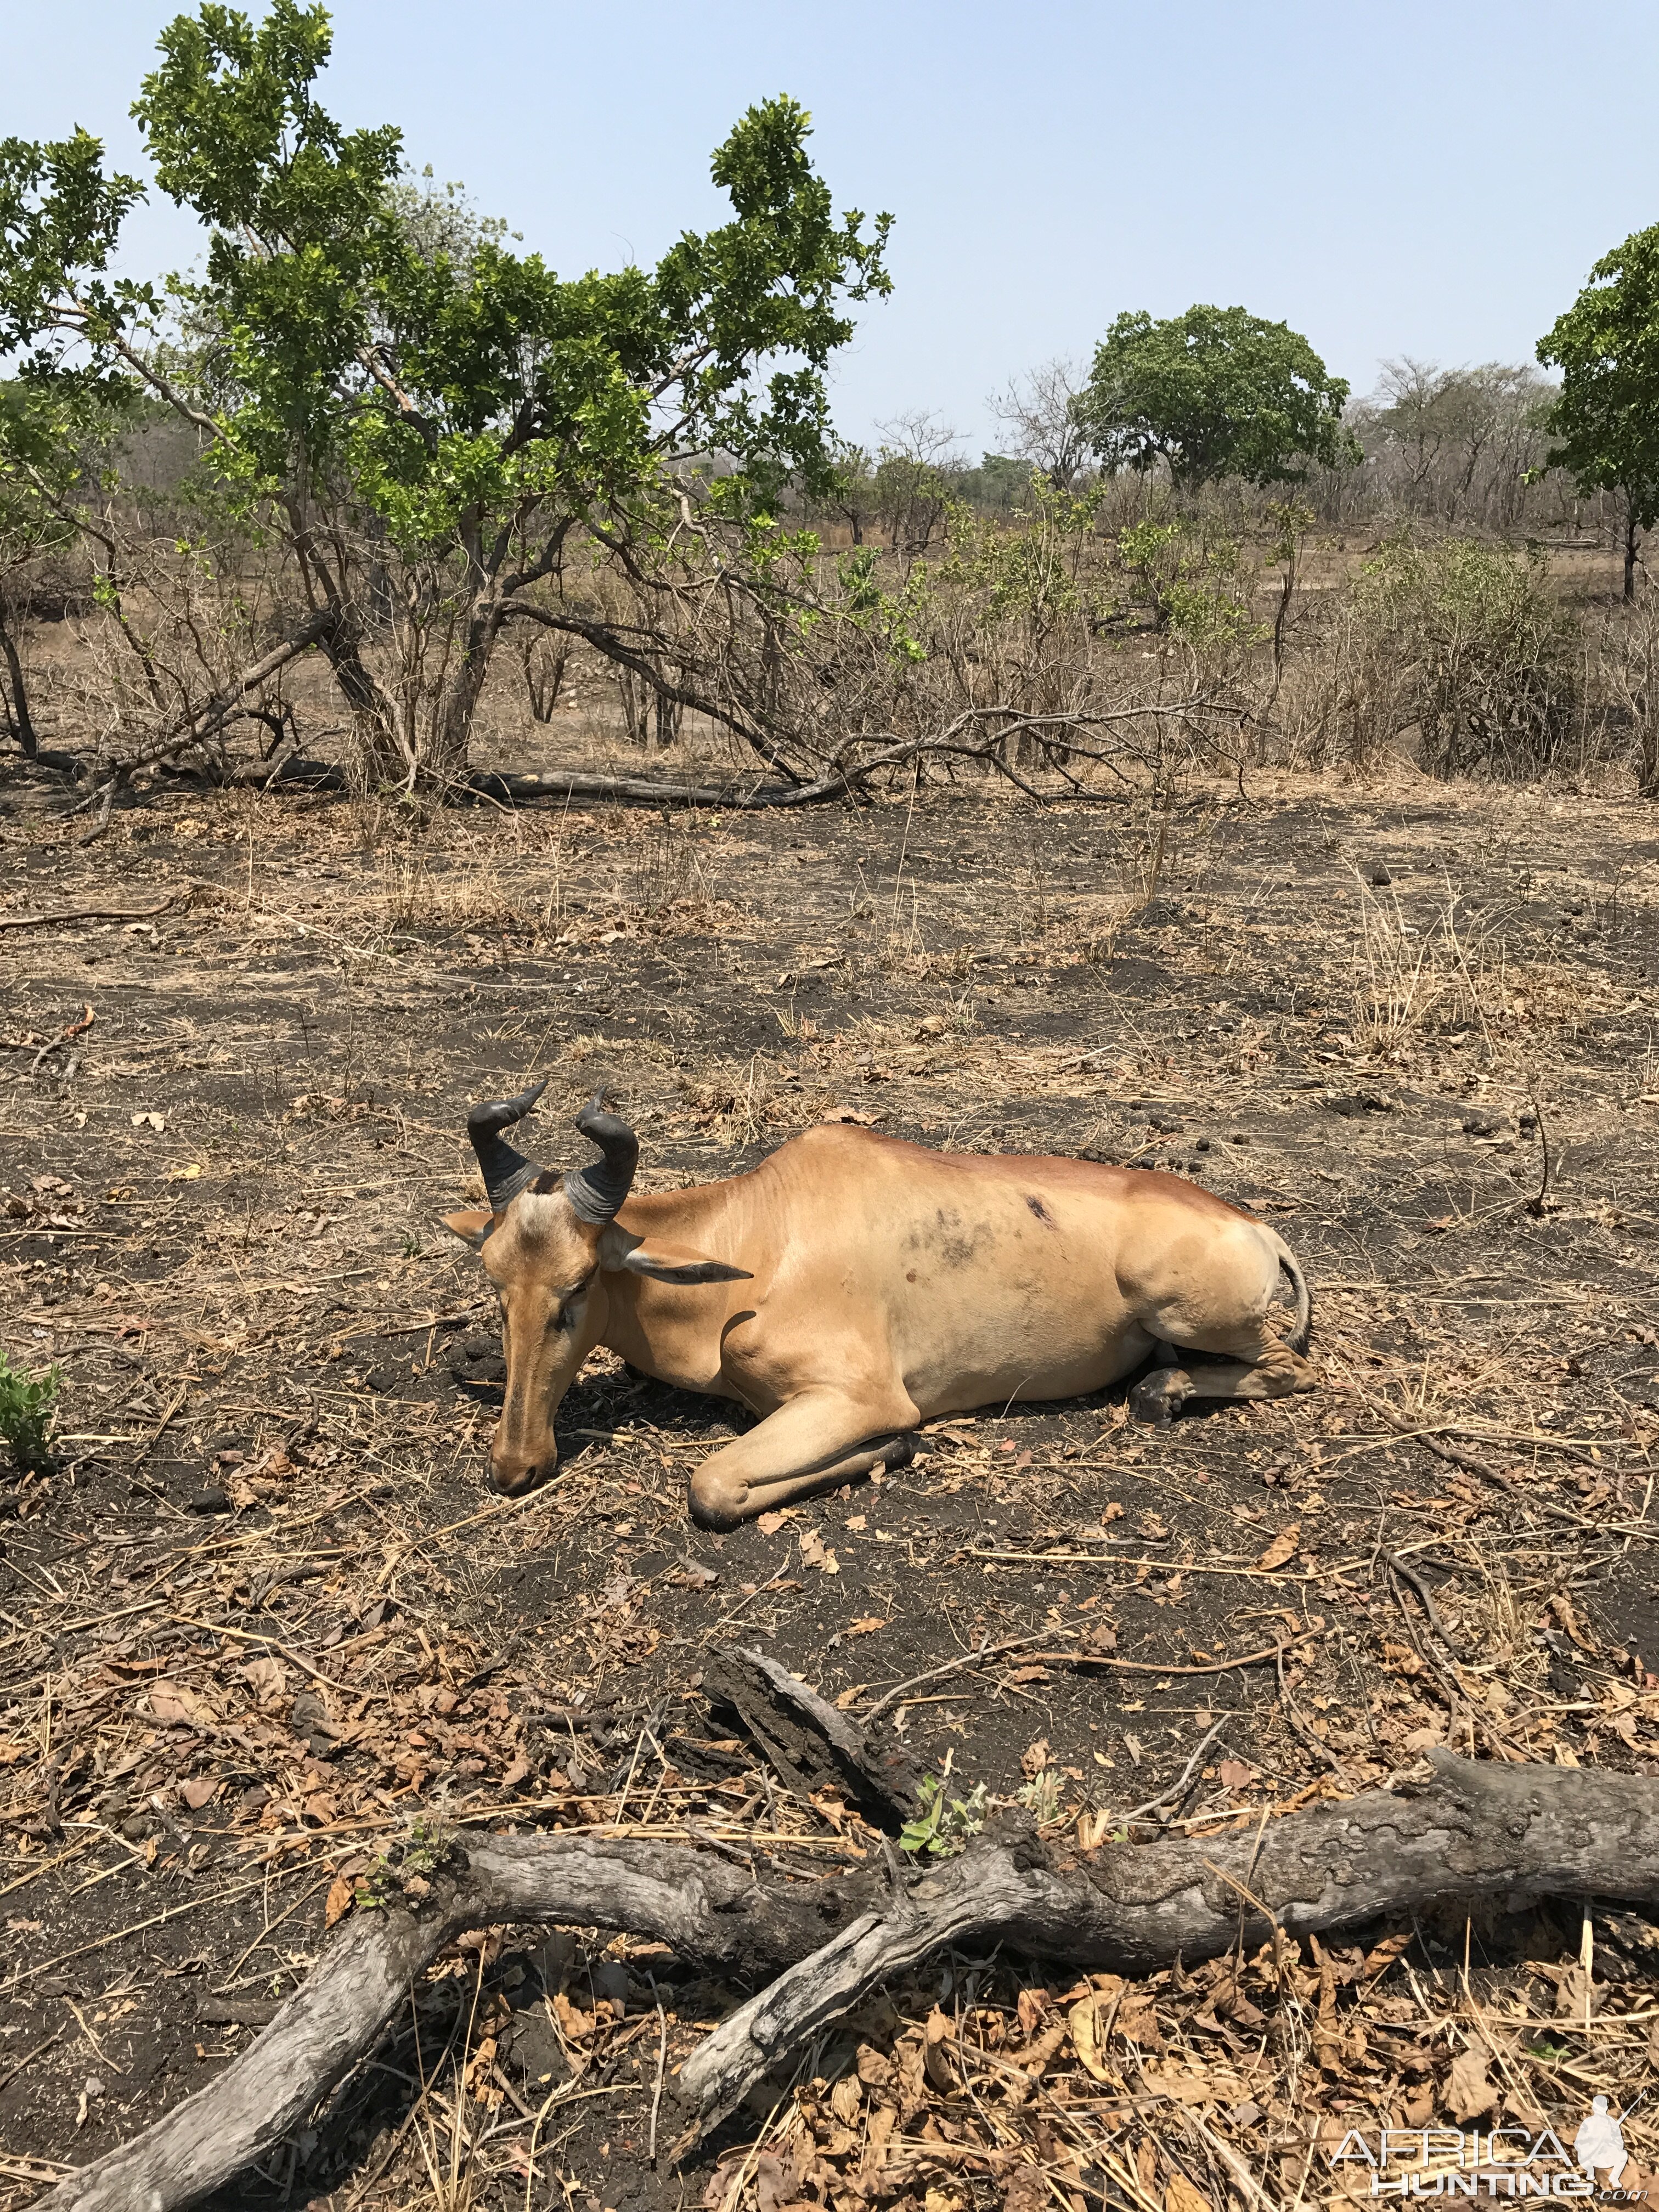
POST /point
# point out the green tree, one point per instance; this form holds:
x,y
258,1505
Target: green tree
x,y
1214,393
428,420
1606,421
31,525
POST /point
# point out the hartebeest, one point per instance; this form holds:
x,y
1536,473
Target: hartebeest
x,y
851,1286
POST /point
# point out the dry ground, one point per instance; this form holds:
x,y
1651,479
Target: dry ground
x,y
263,1616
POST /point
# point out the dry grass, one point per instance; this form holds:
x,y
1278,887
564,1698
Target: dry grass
x,y
253,1298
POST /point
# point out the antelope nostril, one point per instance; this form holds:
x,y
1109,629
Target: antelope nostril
x,y
510,1482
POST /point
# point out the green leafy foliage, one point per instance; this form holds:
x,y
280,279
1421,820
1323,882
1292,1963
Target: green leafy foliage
x,y
1212,393
457,388
944,1824
1466,647
27,1403
60,217
1606,421
381,377
1192,584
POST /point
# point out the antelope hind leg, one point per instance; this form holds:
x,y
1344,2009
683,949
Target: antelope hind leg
x,y
1273,1371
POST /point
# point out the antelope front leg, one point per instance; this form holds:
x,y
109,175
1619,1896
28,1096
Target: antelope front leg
x,y
812,1443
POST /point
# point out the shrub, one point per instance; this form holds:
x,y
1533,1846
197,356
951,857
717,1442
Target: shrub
x,y
26,1415
1464,646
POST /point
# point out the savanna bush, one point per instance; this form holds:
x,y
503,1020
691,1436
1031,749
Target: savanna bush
x,y
1461,649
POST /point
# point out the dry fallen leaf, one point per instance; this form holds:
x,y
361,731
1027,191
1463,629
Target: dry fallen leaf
x,y
199,1791
1282,1547
817,1553
339,1900
1035,2057
1034,1758
769,1523
1468,2093
868,1625
772,2182
847,2099
941,2072
1137,2020
1234,1774
172,1703
1086,2019
1182,2197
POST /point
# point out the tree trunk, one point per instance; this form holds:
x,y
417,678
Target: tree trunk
x,y
414,734
1632,535
668,716
18,718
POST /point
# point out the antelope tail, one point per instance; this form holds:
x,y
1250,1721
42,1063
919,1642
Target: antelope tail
x,y
1298,1338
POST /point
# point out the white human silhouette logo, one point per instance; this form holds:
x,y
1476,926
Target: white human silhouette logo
x,y
1599,2142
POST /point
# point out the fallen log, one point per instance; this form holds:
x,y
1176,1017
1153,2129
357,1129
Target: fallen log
x,y
1507,1832
706,1909
561,784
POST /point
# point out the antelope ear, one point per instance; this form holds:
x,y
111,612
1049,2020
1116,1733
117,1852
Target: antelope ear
x,y
471,1228
675,1263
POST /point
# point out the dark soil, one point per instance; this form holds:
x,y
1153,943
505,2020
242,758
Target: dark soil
x,y
261,1611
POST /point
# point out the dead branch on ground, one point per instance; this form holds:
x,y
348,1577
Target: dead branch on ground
x,y
1515,1833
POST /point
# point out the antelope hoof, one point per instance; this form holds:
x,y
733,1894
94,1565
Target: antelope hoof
x,y
1158,1398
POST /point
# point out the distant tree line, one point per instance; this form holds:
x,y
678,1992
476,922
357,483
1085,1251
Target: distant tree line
x,y
1217,394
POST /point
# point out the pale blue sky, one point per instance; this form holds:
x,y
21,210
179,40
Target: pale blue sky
x,y
1430,176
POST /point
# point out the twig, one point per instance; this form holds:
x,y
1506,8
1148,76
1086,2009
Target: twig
x,y
1536,1206
70,1029
155,1434
1164,1566
1305,1730
662,2068
1155,1667
1169,1797
1410,1575
28,2058
953,1667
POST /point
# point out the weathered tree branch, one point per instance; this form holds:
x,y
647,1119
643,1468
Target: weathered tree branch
x,y
203,722
1513,1833
706,1909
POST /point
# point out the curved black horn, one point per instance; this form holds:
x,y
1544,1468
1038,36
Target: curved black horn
x,y
505,1173
595,1192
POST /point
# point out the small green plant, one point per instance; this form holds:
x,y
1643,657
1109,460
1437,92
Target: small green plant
x,y
1041,1797
404,1869
413,1248
944,1824
26,1415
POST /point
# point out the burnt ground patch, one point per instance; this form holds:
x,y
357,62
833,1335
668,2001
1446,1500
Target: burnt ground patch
x,y
262,1616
